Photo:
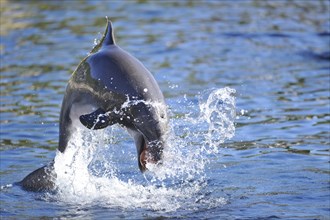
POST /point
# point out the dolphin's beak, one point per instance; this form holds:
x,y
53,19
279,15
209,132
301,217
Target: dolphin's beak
x,y
149,130
147,151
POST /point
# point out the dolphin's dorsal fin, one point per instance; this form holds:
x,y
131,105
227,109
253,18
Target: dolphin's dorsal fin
x,y
107,38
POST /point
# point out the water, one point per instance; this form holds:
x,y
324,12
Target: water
x,y
247,87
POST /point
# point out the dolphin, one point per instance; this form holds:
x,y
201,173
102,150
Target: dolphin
x,y
109,87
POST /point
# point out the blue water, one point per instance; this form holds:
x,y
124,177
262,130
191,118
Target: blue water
x,y
275,55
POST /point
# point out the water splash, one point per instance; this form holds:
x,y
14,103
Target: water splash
x,y
100,166
7,186
218,111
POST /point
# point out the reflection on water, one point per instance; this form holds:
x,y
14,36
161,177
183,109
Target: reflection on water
x,y
275,54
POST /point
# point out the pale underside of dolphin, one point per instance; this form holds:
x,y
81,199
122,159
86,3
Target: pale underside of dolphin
x,y
109,86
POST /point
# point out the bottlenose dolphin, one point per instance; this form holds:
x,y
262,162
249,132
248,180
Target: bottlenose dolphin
x,y
109,86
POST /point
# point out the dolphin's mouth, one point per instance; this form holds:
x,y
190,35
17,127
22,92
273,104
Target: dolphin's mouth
x,y
148,152
142,156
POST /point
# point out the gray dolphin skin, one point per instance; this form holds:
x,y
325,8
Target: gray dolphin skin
x,y
109,86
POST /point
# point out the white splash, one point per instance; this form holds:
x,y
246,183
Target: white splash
x,y
96,168
219,112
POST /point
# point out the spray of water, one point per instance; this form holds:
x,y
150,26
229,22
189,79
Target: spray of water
x,y
97,166
218,111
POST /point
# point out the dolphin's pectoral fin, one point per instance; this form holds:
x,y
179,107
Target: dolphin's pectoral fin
x,y
96,120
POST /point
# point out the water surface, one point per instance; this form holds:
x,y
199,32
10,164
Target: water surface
x,y
274,54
